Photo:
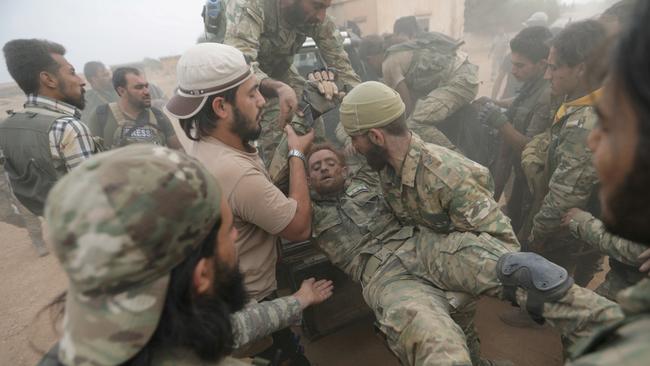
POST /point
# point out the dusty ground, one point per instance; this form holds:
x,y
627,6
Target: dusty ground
x,y
28,284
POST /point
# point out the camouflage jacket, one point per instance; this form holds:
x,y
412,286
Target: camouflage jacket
x,y
589,229
259,320
256,28
625,343
444,191
353,225
440,78
570,174
254,322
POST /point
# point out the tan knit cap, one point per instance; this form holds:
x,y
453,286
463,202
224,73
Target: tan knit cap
x,y
370,105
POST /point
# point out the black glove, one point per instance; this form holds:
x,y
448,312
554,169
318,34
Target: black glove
x,y
490,114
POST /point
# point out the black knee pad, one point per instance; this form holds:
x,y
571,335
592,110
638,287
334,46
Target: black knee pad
x,y
544,280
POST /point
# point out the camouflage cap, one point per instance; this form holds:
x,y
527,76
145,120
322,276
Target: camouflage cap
x,y
370,105
119,223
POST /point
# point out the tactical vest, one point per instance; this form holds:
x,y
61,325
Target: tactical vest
x,y
434,56
25,143
129,132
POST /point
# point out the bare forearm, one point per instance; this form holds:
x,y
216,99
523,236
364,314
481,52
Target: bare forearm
x,y
405,94
299,191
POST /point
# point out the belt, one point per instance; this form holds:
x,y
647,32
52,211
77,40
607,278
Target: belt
x,y
377,259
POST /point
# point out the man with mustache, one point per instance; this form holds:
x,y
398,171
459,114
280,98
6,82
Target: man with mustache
x,y
132,119
219,105
468,245
270,33
47,139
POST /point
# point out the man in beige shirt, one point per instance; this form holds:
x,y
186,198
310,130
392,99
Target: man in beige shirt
x,y
219,105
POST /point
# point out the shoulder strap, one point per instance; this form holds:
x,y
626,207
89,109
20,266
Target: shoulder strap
x,y
155,116
102,115
117,113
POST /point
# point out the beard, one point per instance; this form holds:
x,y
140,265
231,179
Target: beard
x,y
245,128
377,158
138,103
79,102
628,209
204,325
228,286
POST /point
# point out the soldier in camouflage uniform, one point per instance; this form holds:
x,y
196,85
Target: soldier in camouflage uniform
x,y
270,33
623,254
568,173
436,81
162,230
467,243
355,228
621,145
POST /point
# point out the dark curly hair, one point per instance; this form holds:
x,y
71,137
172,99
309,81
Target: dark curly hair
x,y
532,43
578,41
27,58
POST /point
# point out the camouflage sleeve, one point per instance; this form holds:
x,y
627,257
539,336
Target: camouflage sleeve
x,y
472,208
329,41
259,320
571,185
442,102
244,25
589,229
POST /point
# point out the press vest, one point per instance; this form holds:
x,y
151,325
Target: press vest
x,y
128,131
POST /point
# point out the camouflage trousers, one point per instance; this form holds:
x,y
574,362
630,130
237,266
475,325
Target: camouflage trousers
x,y
467,262
13,212
423,324
272,143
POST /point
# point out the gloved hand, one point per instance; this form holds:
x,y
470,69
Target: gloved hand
x,y
324,81
480,102
490,114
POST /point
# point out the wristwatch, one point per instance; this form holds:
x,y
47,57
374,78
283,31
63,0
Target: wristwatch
x,y
298,154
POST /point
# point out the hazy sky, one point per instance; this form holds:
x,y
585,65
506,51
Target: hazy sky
x,y
112,31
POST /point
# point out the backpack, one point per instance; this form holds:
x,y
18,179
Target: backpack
x,y
130,132
434,55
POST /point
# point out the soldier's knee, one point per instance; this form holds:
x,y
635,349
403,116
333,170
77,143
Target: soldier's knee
x,y
544,280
